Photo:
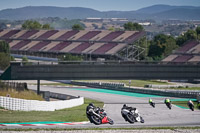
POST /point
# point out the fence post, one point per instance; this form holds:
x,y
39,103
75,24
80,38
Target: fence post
x,y
38,87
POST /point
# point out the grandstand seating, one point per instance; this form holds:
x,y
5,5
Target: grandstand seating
x,y
28,34
182,58
170,58
89,35
10,33
92,48
17,35
13,43
80,48
102,42
3,32
78,35
188,46
38,46
195,58
112,36
67,35
58,34
70,47
103,49
47,34
116,48
134,36
124,36
8,41
60,46
29,45
20,45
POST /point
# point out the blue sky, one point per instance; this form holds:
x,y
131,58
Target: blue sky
x,y
101,5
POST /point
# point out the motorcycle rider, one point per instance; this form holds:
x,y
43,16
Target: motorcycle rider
x,y
190,104
167,100
128,108
92,110
151,102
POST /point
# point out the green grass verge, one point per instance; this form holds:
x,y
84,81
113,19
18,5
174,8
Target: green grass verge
x,y
26,94
75,114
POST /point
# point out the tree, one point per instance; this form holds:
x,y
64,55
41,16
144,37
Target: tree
x,y
161,46
189,35
69,57
4,47
46,27
198,30
4,60
31,25
4,54
133,26
77,27
34,25
24,59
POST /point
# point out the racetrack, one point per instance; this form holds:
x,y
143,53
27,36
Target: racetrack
x,y
154,117
159,116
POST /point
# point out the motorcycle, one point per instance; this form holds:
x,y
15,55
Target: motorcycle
x,y
191,107
100,117
152,104
131,116
169,105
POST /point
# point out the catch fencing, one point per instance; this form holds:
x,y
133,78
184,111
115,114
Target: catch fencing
x,y
14,85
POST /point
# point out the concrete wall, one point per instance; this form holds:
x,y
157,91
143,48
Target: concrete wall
x,y
105,71
35,105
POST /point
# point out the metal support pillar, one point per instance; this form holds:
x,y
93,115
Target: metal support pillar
x,y
38,87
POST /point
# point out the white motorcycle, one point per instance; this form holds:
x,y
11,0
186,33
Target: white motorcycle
x,y
131,115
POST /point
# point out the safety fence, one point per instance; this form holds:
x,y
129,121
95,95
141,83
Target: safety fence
x,y
13,85
106,84
35,105
160,92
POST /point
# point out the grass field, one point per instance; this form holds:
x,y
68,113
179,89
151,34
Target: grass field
x,y
27,94
75,114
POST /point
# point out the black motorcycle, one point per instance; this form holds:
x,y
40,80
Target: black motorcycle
x,y
169,105
152,104
191,106
131,116
99,117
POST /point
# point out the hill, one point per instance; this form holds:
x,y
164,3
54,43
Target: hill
x,y
156,12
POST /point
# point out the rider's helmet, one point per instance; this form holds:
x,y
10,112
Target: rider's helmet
x,y
91,104
124,105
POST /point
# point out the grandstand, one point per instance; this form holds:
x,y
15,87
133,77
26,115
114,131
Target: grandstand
x,y
102,43
189,52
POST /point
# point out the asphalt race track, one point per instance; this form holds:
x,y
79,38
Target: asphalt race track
x,y
154,117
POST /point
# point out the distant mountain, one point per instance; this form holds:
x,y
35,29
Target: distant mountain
x,y
162,8
156,12
46,11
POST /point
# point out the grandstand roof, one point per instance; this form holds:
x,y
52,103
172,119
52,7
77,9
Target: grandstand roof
x,y
189,52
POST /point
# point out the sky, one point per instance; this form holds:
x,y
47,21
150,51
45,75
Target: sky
x,y
101,5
